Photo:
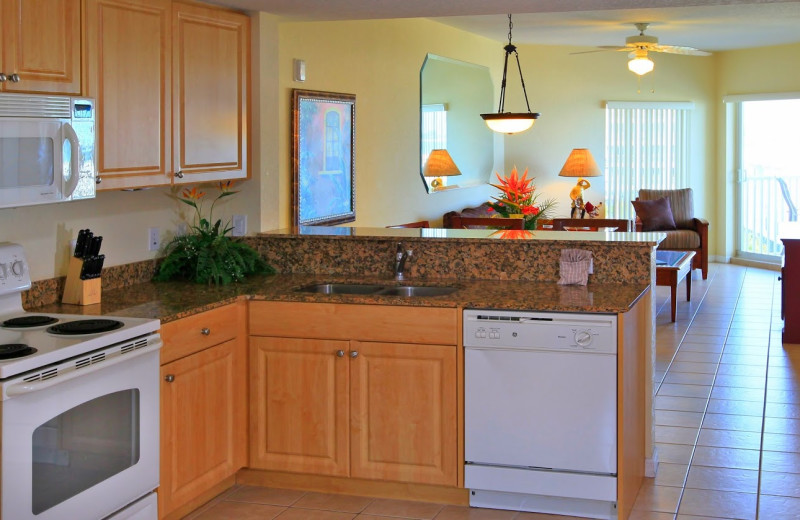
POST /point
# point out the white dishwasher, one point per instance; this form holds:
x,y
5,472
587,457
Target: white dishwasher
x,y
540,413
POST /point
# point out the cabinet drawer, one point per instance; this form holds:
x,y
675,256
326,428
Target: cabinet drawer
x,y
199,332
390,323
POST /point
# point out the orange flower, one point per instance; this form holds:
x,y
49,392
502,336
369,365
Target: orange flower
x,y
192,194
530,210
225,186
515,189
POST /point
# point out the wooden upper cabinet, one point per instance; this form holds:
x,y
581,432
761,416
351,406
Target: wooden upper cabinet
x,y
210,60
41,44
128,71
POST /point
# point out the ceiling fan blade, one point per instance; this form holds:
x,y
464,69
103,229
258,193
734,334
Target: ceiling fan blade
x,y
599,49
676,49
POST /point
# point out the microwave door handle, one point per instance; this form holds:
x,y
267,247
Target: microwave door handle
x,y
75,159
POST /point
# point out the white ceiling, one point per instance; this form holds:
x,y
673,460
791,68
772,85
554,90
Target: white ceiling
x,y
711,25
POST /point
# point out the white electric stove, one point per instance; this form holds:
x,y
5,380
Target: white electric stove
x,y
79,408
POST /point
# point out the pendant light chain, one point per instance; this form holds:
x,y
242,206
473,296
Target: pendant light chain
x,y
506,122
509,49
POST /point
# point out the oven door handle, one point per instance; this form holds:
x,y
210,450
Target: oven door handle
x,y
68,375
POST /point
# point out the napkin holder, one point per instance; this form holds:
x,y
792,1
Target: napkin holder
x,y
78,291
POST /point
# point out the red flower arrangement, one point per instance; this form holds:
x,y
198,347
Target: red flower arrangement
x,y
519,199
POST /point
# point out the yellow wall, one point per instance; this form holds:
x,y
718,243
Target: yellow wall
x,y
379,62
764,70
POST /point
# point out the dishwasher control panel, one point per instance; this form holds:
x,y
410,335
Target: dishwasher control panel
x,y
526,330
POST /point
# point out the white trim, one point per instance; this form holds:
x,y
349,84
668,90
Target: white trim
x,y
435,107
673,105
739,98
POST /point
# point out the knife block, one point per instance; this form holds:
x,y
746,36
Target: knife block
x,y
77,291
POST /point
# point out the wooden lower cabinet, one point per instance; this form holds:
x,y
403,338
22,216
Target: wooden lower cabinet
x,y
299,414
373,410
403,412
203,414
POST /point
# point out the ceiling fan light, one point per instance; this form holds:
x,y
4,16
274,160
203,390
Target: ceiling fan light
x,y
641,65
508,123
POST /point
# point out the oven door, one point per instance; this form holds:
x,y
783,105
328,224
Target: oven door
x,y
84,447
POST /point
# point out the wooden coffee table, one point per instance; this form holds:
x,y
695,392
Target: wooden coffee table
x,y
671,268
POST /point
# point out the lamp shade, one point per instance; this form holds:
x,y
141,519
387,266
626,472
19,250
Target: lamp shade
x,y
640,64
440,164
580,163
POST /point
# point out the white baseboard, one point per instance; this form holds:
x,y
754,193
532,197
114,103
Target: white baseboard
x,y
755,263
719,259
651,464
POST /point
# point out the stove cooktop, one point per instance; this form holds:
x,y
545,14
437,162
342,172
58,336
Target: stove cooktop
x,y
52,347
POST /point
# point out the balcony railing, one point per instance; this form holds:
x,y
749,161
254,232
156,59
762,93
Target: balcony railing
x,y
764,205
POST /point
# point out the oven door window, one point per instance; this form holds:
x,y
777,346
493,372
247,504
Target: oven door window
x,y
84,446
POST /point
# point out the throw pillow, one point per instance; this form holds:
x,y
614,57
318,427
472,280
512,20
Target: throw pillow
x,y
656,215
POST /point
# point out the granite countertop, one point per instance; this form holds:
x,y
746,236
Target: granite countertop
x,y
169,301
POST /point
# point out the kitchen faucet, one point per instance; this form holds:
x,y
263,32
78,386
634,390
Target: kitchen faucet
x,y
401,257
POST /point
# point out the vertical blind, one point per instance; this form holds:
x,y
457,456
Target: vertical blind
x,y
647,147
434,129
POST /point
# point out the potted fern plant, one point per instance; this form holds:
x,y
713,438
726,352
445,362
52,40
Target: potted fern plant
x,y
207,254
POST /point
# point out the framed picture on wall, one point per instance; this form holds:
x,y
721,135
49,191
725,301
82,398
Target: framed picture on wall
x,y
323,157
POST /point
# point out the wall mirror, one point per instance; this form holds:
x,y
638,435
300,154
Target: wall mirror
x,y
452,95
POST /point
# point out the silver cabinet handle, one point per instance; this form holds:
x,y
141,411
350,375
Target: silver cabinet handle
x,y
340,353
205,331
3,77
98,180
353,353
169,378
14,78
179,174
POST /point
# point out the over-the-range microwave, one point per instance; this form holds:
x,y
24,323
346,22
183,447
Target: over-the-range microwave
x,y
47,149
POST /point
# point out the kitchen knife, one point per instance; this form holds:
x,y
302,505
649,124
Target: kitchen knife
x,y
80,243
94,246
86,244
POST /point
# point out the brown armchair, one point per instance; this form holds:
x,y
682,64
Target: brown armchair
x,y
691,233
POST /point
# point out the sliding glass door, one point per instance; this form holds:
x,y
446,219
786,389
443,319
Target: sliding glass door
x,y
768,175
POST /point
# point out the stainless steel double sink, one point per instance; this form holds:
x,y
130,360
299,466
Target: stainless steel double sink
x,y
408,291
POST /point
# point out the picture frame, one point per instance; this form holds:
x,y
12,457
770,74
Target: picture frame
x,y
323,157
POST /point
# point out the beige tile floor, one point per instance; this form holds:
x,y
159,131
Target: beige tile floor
x,y
727,399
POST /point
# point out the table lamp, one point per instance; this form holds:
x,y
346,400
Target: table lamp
x,y
580,163
438,165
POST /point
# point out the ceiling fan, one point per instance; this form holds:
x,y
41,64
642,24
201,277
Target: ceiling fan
x,y
639,45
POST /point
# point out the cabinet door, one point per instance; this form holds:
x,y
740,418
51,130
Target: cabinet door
x,y
41,42
299,405
203,422
129,67
211,89
403,409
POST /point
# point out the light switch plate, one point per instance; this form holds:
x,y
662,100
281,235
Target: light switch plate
x,y
239,225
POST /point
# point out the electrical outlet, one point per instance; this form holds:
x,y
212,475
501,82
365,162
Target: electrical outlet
x,y
153,239
183,228
239,225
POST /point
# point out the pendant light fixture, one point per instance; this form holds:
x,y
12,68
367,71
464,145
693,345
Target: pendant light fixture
x,y
509,122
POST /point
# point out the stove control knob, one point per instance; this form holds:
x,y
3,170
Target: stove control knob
x,y
583,338
3,271
17,268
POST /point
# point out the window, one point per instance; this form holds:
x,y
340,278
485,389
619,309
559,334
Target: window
x,y
647,147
